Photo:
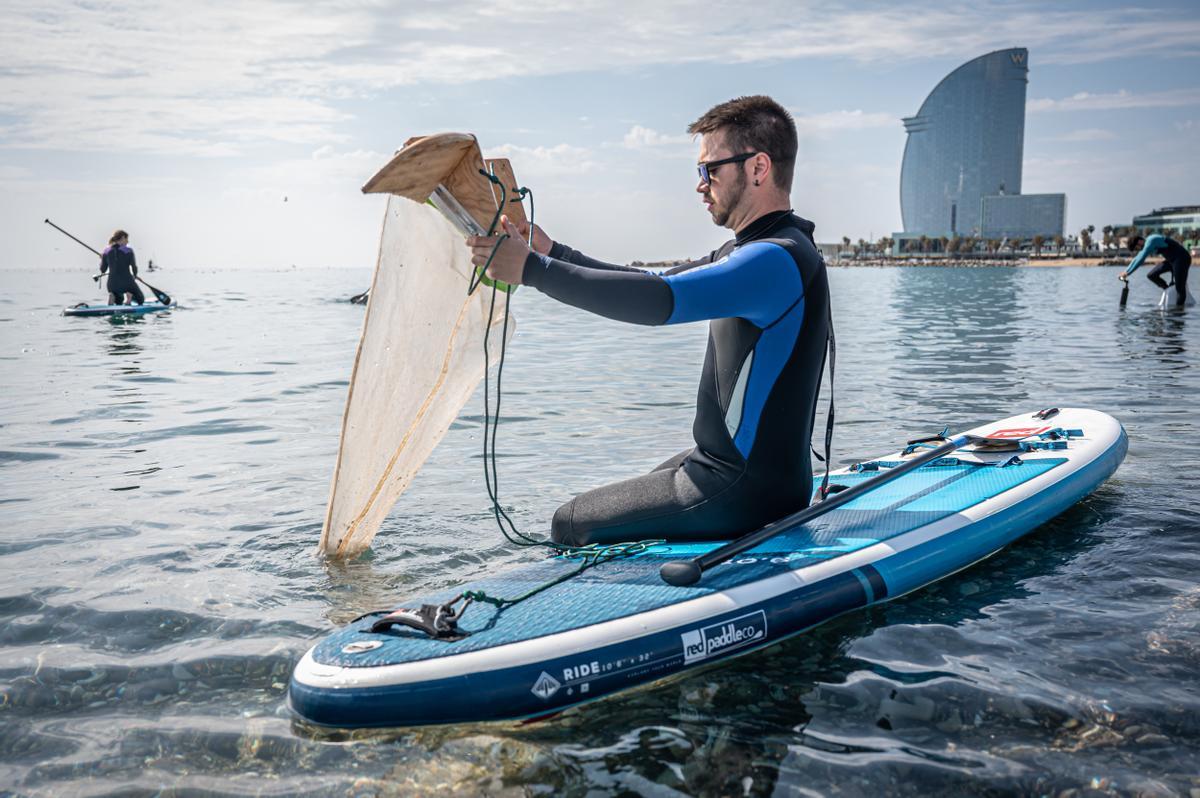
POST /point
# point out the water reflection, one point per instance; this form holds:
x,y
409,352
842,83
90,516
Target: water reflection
x,y
955,328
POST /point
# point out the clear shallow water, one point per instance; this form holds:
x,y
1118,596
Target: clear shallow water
x,y
162,484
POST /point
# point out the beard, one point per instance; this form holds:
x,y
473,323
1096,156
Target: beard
x,y
721,211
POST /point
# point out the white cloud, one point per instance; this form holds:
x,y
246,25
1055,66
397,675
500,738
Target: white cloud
x,y
542,162
159,77
641,138
831,122
1087,134
1118,100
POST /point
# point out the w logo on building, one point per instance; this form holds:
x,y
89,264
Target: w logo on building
x,y
1017,58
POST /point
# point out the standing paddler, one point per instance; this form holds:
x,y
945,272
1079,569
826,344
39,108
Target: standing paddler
x,y
1176,260
119,263
767,299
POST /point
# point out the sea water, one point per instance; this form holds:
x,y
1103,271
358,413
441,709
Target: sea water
x,y
163,481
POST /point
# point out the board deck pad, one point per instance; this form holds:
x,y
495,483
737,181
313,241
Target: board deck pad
x,y
632,585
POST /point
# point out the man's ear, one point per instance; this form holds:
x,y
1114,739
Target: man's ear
x,y
762,167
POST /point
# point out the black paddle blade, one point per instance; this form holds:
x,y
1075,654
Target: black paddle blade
x,y
680,573
161,297
1124,294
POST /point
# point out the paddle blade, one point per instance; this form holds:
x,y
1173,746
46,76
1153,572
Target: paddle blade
x,y
1124,295
680,573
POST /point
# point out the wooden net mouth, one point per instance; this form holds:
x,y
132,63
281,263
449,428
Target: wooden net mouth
x,y
451,165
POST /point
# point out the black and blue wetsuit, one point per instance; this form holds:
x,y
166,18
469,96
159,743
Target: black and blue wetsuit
x,y
121,267
1176,260
767,295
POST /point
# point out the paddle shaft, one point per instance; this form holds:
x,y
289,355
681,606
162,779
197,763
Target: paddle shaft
x,y
159,295
73,238
687,572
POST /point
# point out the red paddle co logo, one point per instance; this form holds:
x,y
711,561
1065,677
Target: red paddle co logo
x,y
709,641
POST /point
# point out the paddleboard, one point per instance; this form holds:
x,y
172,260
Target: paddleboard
x,y
1170,298
114,310
618,625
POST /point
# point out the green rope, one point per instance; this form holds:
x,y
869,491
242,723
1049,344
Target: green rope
x,y
589,556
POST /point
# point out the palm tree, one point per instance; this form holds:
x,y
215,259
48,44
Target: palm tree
x,y
1037,244
924,242
1058,244
1108,236
1085,238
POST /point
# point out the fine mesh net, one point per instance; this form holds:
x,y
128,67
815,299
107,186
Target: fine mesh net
x,y
419,360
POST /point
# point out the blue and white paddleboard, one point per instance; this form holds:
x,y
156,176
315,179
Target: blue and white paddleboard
x,y
114,310
619,625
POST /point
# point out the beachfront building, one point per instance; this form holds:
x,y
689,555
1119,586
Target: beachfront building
x,y
965,145
1183,219
1022,216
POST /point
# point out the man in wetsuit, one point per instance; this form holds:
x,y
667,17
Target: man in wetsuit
x,y
119,263
767,299
1176,260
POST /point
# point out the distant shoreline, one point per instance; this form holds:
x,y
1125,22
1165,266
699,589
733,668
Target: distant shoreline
x,y
1037,263
966,263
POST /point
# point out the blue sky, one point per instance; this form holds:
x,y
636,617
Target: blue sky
x,y
188,125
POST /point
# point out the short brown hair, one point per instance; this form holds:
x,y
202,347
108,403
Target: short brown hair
x,y
117,236
755,124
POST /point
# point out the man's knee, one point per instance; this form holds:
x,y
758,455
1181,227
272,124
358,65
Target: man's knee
x,y
562,526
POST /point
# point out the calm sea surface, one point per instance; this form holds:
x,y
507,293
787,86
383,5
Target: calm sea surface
x,y
163,481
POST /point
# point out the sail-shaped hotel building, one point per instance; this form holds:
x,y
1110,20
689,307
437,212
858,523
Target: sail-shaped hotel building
x,y
961,173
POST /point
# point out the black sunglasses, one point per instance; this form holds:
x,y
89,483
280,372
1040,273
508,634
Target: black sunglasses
x,y
705,169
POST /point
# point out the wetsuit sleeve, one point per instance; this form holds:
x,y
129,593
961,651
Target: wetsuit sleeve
x,y
1153,244
133,263
103,264
564,253
759,282
625,295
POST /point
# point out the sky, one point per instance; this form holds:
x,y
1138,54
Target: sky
x,y
238,135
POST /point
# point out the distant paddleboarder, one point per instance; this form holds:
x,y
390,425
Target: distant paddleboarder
x,y
1176,260
767,296
119,263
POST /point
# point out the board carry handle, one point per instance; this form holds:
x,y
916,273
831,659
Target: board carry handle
x,y
682,573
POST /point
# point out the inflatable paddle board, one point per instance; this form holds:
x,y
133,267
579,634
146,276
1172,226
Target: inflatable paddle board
x,y
114,310
618,625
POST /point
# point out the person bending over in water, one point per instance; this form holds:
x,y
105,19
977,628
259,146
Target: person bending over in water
x,y
121,266
1176,260
767,296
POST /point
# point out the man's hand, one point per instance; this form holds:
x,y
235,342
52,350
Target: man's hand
x,y
508,265
541,241
1123,277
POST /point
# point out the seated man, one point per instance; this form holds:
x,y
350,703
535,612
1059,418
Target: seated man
x,y
766,294
1176,260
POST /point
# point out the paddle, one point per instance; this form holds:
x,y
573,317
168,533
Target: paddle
x,y
687,572
1124,292
159,295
